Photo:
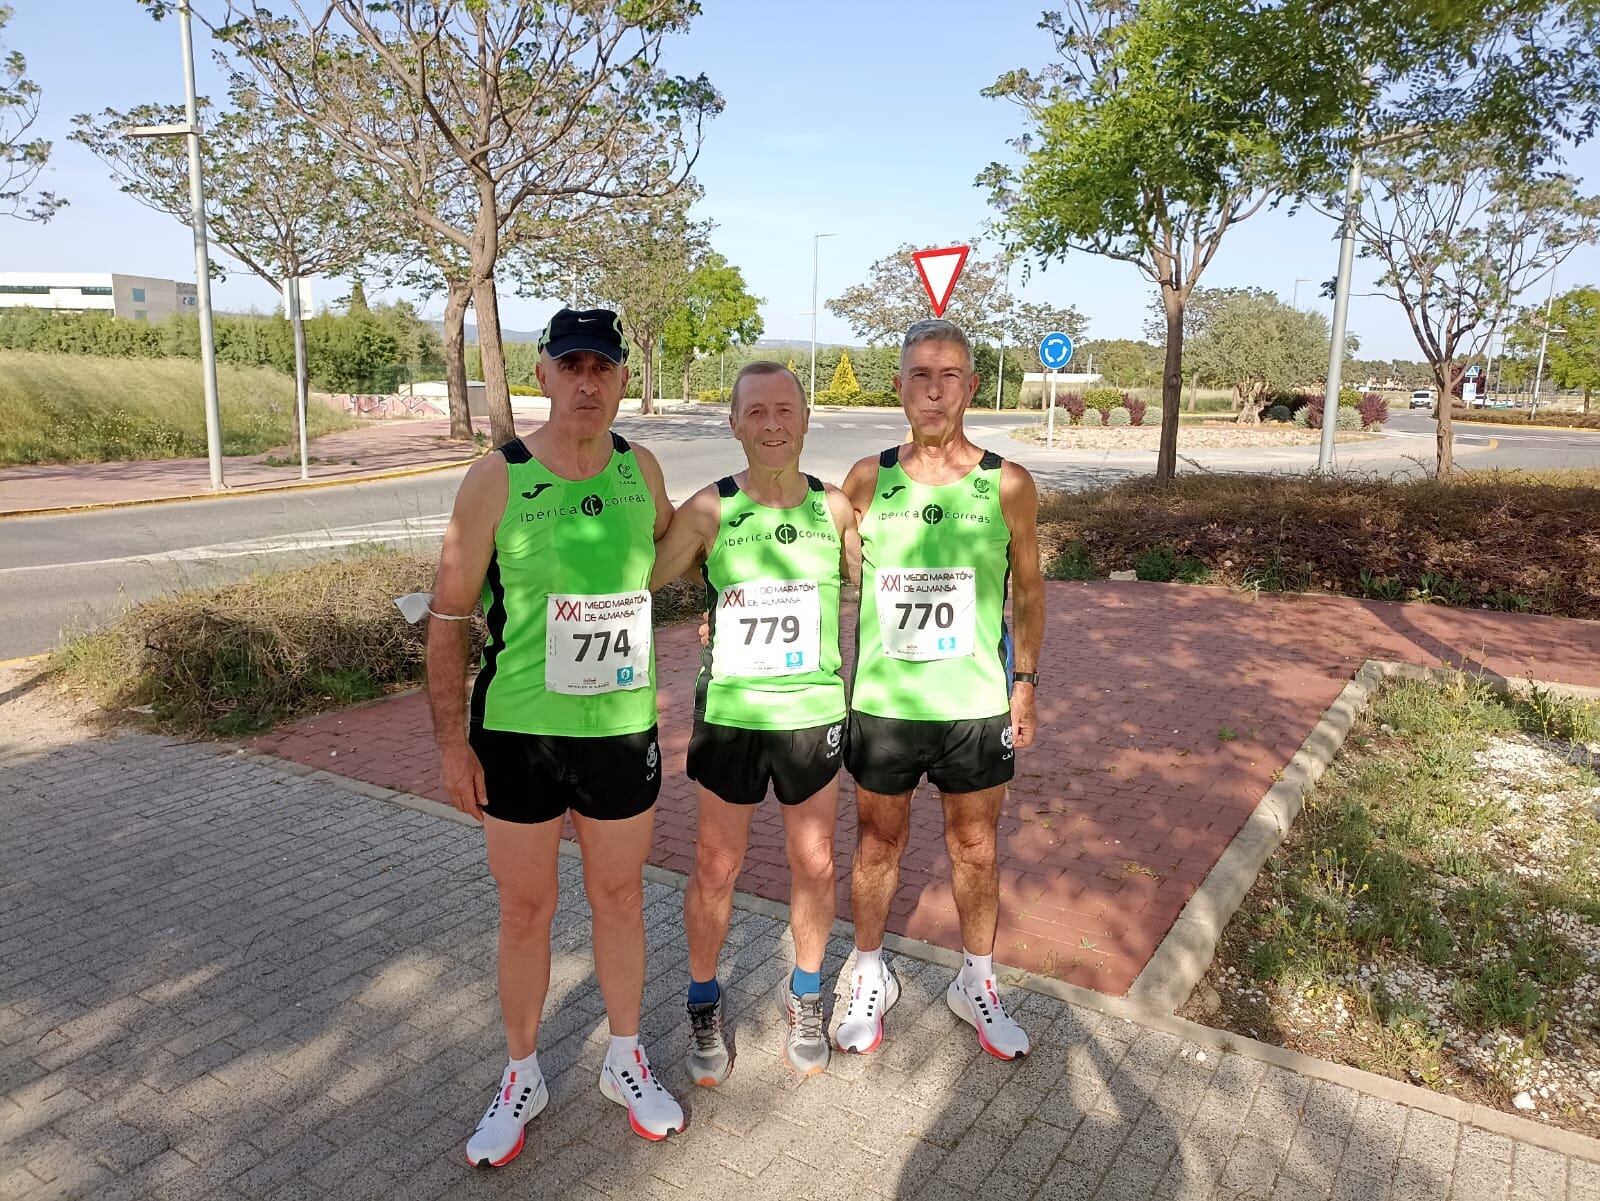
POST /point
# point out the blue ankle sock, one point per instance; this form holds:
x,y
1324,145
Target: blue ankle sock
x,y
804,983
702,992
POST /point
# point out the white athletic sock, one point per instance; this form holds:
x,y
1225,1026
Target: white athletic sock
x,y
976,969
622,1048
528,1065
870,963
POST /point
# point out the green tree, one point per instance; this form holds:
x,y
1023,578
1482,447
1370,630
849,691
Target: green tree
x,y
538,113
22,159
1456,237
717,313
1572,354
1255,344
1125,157
1123,362
279,198
844,377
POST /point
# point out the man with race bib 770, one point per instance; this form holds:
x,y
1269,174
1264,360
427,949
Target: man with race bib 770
x,y
945,528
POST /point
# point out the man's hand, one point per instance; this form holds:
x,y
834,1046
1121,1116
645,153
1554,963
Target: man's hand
x,y
705,629
462,775
1022,721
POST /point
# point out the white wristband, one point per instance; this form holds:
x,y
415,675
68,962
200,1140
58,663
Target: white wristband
x,y
417,605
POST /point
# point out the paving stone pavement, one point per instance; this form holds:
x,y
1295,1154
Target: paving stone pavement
x,y
220,979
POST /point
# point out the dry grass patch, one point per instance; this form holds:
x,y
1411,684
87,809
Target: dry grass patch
x,y
1515,541
239,659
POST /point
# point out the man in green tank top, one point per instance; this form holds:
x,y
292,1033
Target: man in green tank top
x,y
945,527
555,534
772,544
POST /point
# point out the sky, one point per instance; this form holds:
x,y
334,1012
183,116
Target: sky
x,y
862,120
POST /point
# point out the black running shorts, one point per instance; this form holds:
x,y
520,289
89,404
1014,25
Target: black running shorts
x,y
538,777
889,755
738,765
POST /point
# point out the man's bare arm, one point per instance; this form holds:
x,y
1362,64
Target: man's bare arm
x,y
844,518
463,562
858,486
657,484
688,538
1019,505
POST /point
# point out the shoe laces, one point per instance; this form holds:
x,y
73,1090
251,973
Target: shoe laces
x,y
705,1024
638,1076
805,1019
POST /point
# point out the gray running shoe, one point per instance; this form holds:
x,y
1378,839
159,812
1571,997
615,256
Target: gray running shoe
x,y
805,1049
709,1060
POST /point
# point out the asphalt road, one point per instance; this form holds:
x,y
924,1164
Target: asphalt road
x,y
68,572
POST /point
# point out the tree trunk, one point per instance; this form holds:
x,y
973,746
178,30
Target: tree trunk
x,y
1586,392
1444,437
492,353
688,361
1171,386
1194,386
457,295
1249,409
647,384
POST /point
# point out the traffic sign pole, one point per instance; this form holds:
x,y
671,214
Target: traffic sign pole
x,y
1050,421
1055,352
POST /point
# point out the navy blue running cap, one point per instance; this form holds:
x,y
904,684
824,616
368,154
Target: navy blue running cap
x,y
597,330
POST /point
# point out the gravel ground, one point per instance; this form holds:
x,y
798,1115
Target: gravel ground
x,y
1078,437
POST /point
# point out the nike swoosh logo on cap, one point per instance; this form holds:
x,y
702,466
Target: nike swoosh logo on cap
x,y
586,320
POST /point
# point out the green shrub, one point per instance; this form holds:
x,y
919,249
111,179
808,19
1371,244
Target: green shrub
x,y
723,396
1279,413
1104,399
1119,416
1302,417
1092,416
524,390
859,399
1580,421
1349,398
1346,419
1072,563
1162,565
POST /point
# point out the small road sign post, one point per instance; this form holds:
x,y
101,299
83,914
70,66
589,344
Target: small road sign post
x,y
1055,352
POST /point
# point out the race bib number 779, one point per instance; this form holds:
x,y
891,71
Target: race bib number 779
x,y
927,613
597,643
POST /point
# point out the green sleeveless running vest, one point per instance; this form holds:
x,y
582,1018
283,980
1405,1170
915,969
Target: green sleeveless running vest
x,y
772,589
934,572
569,652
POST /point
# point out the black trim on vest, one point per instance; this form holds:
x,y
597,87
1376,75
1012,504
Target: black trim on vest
x,y
890,457
990,461
619,443
702,682
815,485
496,617
516,451
726,488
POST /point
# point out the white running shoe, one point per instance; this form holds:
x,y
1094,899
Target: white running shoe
x,y
861,1029
981,1009
499,1136
652,1111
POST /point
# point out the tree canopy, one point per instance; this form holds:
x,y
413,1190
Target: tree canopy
x,y
22,158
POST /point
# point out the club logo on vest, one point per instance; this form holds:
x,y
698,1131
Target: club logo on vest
x,y
538,488
835,737
593,506
818,509
625,469
786,533
739,520
890,495
980,486
1007,739
932,514
651,758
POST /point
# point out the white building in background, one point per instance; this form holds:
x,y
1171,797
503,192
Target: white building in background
x,y
135,297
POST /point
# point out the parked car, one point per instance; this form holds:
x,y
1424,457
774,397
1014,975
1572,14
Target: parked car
x,y
1422,398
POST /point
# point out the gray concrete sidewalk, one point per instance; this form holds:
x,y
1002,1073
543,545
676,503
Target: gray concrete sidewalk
x,y
223,979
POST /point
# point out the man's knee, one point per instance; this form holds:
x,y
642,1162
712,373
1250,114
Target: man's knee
x,y
812,862
880,842
527,914
716,869
971,846
615,895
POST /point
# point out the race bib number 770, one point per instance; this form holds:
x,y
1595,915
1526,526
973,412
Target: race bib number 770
x,y
927,613
597,643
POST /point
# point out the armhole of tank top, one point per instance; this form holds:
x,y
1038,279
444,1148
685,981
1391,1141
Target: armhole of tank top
x,y
813,484
515,452
889,458
619,443
726,487
990,461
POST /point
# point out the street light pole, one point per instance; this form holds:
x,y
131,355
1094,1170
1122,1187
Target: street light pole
x,y
202,256
1304,279
1544,340
816,240
1341,312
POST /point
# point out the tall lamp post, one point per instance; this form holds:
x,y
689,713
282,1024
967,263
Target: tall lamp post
x,y
816,240
1544,341
202,256
1304,279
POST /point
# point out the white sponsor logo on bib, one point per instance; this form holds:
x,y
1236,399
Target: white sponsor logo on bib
x,y
596,644
927,613
768,628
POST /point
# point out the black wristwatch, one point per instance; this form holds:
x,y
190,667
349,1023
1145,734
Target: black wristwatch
x,y
1025,677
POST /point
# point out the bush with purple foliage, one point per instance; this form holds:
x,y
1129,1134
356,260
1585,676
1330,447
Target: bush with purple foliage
x,y
1073,403
1135,407
1374,410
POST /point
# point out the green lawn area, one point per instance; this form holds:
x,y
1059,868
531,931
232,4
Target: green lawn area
x,y
1434,914
85,409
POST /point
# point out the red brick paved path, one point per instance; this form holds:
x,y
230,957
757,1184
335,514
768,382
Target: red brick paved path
x,y
1128,797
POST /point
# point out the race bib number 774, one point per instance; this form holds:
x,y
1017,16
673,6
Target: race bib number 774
x,y
927,613
597,643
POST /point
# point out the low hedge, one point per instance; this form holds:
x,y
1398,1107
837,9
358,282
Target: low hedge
x,y
859,399
1504,540
1575,421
